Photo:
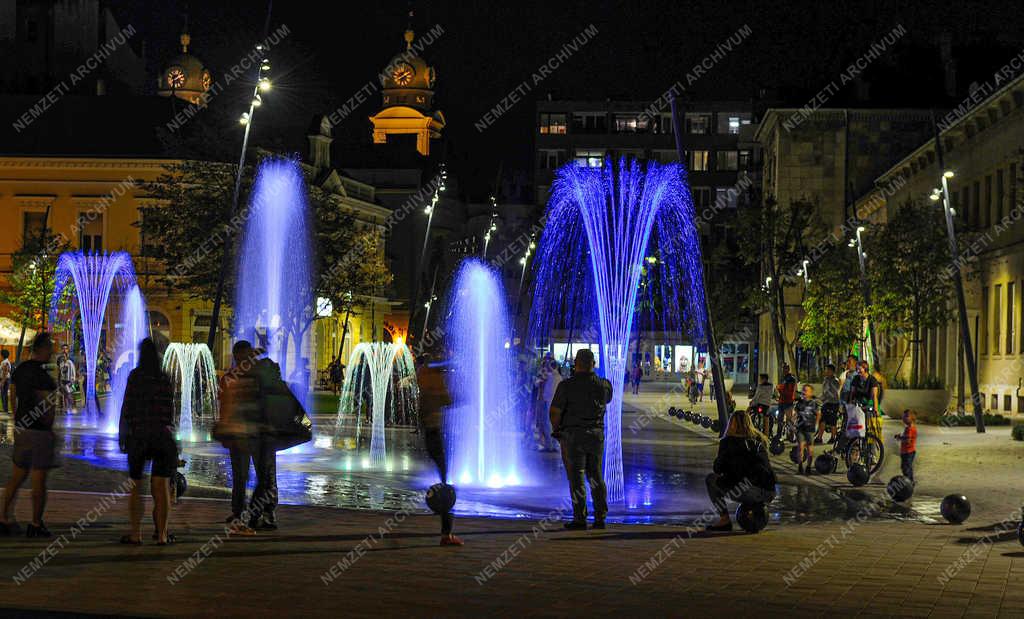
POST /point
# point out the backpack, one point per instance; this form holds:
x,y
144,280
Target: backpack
x,y
289,425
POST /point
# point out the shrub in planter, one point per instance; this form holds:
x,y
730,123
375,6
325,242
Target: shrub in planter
x,y
1018,433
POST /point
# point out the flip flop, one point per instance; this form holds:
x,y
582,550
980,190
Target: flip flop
x,y
127,539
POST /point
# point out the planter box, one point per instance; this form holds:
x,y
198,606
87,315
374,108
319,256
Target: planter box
x,y
930,404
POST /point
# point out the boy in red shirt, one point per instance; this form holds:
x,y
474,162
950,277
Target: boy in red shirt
x,y
908,444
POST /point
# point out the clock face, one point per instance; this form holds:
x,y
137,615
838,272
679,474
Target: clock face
x,y
402,73
207,80
176,77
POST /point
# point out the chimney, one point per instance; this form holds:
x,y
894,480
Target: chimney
x,y
320,145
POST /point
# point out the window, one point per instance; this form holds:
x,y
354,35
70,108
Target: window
x,y
664,156
631,123
90,231
977,213
726,160
725,197
999,196
664,124
32,225
699,124
730,122
589,157
698,161
701,197
997,318
1013,186
1009,318
745,159
590,122
988,219
983,330
552,123
550,158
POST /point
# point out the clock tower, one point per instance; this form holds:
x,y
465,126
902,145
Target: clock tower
x,y
407,100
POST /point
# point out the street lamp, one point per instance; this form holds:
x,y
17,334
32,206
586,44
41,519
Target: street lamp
x,y
491,227
858,243
262,83
429,211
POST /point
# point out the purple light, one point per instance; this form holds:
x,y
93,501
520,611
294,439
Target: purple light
x,y
131,329
94,276
274,292
610,218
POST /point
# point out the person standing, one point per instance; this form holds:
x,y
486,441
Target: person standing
x,y
551,379
434,397
35,444
242,429
865,391
908,444
846,378
637,375
147,434
808,415
699,375
5,378
68,380
577,417
829,405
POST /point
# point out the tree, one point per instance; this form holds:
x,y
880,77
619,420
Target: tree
x,y
833,308
776,238
187,227
31,282
911,289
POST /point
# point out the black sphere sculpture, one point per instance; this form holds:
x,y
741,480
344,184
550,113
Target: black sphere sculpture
x,y
955,508
752,517
777,447
900,488
825,464
441,498
857,475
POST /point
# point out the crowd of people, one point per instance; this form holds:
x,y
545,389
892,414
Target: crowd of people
x,y
567,414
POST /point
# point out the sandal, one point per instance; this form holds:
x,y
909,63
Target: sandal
x,y
170,540
127,539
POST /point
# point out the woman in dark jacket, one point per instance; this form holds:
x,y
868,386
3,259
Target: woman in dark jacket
x,y
742,470
147,434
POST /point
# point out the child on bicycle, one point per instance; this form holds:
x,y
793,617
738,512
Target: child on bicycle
x,y
762,400
908,444
808,415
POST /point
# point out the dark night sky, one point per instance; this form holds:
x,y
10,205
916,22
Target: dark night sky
x,y
641,48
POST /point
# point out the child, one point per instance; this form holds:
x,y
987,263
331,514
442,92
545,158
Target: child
x,y
829,405
808,415
908,444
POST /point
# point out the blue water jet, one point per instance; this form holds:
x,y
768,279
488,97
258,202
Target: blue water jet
x,y
132,328
482,430
612,219
274,287
95,276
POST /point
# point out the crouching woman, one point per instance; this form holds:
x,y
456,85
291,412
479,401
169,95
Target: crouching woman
x,y
742,472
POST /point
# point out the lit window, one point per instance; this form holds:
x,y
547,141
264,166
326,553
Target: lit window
x,y
589,158
552,123
726,197
631,123
698,161
90,236
730,122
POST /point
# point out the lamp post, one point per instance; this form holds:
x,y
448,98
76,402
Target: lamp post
x,y
491,227
262,86
961,303
858,243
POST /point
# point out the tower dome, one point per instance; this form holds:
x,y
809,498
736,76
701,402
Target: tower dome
x,y
408,79
184,76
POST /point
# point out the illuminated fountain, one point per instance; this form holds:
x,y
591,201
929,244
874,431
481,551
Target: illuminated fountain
x,y
132,328
95,277
194,376
613,218
482,434
274,296
384,372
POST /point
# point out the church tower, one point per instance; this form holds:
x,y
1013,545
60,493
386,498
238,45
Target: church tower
x,y
407,100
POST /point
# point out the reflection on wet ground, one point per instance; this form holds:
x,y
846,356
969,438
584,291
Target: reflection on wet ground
x,y
664,480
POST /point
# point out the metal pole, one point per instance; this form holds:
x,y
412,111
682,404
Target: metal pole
x,y
961,303
225,263
866,292
713,354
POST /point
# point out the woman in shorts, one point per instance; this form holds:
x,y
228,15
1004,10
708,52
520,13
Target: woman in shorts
x,y
147,434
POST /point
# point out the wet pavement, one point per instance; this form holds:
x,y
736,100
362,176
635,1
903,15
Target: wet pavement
x,y
664,469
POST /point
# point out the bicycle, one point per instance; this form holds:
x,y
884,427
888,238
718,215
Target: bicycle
x,y
866,448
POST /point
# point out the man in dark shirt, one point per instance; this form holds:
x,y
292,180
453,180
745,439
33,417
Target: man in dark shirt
x,y
35,402
577,417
